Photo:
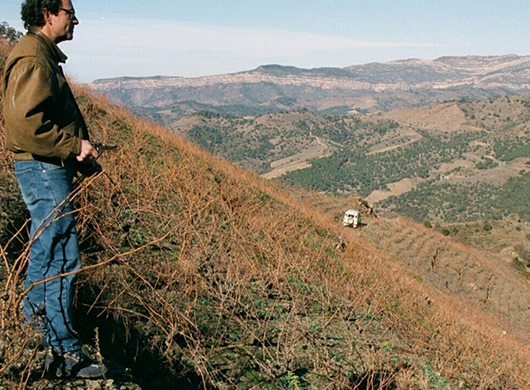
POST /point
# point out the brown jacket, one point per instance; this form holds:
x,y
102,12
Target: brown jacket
x,y
41,116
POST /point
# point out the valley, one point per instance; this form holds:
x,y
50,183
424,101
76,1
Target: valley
x,y
443,140
451,162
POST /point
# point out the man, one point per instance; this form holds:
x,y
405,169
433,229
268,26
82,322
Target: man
x,y
49,139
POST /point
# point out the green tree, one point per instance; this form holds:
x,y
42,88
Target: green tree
x,y
9,34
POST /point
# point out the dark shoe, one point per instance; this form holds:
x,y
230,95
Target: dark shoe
x,y
51,363
73,364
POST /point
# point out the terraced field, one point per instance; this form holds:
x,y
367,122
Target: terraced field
x,y
482,278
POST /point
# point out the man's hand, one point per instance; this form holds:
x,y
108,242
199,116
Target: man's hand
x,y
88,152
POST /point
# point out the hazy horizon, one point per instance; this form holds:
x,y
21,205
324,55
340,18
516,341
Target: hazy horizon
x,y
192,39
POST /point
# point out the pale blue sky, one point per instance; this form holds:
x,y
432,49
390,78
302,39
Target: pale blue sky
x,y
204,37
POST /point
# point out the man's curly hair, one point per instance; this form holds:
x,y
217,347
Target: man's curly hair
x,y
33,11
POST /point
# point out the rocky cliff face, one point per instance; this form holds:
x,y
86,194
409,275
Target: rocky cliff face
x,y
408,82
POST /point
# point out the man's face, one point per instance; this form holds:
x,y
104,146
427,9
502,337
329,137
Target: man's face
x,y
60,27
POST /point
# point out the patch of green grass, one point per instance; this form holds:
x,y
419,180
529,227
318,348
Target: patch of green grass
x,y
291,381
436,381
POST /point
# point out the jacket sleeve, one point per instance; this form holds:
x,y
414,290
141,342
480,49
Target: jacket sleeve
x,y
28,105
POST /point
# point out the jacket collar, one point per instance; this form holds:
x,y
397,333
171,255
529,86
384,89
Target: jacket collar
x,y
51,45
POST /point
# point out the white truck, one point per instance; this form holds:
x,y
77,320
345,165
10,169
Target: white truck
x,y
352,218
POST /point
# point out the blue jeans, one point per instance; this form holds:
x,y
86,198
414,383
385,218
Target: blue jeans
x,y
54,250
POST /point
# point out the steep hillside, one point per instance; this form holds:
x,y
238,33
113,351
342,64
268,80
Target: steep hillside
x,y
198,274
506,239
363,88
494,275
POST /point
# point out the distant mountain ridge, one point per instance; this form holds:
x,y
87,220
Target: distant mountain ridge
x,y
364,88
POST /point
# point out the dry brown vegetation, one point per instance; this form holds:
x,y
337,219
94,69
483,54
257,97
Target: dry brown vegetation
x,y
201,275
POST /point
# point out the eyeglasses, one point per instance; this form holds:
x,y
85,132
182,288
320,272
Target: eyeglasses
x,y
70,12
